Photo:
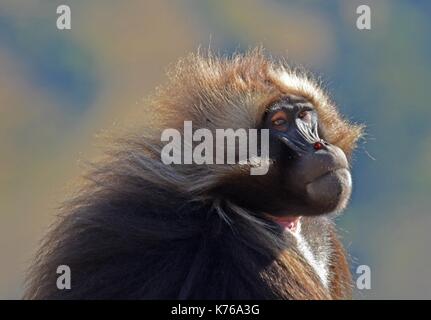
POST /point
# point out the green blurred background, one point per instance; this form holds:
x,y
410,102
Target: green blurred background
x,y
58,89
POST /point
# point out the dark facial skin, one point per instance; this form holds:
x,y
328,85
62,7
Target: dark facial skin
x,y
309,176
315,174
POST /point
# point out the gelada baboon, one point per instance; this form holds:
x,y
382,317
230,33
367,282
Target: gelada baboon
x,y
141,229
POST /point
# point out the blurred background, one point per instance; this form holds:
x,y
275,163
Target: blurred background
x,y
59,89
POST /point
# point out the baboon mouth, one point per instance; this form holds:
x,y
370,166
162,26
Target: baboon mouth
x,y
289,223
329,172
331,180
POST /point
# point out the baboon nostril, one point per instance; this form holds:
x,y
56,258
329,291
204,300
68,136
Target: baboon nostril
x,y
317,146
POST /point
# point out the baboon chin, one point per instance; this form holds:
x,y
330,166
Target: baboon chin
x,y
142,229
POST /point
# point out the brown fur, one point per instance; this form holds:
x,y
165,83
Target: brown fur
x,y
141,229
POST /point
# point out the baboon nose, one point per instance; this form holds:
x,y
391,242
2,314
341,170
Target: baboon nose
x,y
317,146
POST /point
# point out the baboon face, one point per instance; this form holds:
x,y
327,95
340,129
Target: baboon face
x,y
307,176
313,174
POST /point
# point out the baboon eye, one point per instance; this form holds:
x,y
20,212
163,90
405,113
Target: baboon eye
x,y
305,115
278,122
279,119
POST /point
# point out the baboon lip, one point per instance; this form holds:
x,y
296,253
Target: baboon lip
x,y
290,223
328,173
